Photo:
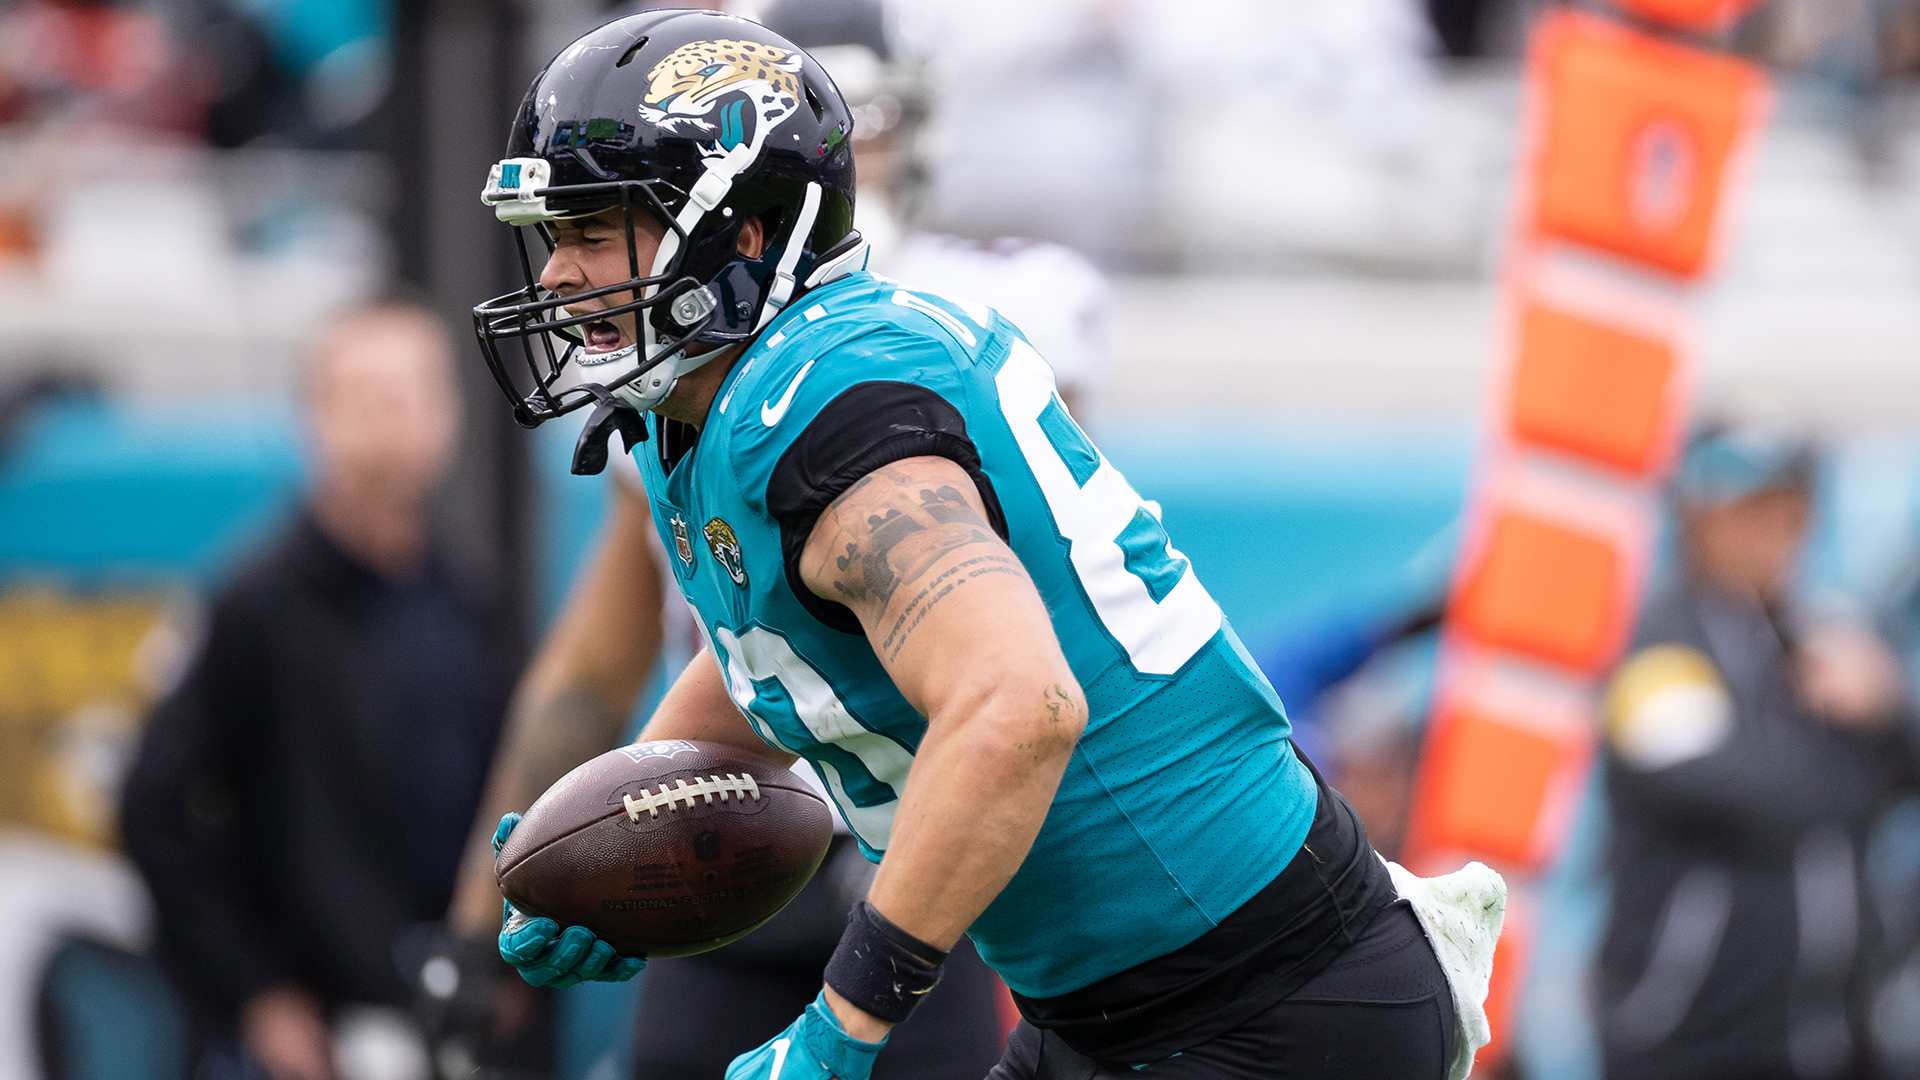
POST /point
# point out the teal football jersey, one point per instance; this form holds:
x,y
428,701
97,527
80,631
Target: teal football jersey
x,y
1183,798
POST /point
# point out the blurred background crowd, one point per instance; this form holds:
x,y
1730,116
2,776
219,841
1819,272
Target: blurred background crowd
x,y
251,465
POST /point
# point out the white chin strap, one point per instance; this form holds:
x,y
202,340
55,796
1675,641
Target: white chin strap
x,y
782,289
649,390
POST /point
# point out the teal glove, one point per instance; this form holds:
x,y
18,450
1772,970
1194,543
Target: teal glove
x,y
814,1047
545,955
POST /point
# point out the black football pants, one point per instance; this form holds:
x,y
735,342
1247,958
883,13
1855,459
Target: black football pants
x,y
1381,1010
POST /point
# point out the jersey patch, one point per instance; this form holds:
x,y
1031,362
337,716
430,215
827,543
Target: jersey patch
x,y
726,550
682,542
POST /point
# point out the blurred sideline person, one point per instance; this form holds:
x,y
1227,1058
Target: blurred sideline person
x,y
1748,758
302,799
580,690
1365,684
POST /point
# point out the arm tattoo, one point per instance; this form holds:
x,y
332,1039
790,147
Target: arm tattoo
x,y
881,567
885,534
939,589
947,506
904,529
1059,703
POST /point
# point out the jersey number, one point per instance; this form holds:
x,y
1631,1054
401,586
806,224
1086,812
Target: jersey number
x,y
1144,592
863,769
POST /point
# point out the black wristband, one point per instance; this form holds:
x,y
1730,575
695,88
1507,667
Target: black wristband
x,y
880,968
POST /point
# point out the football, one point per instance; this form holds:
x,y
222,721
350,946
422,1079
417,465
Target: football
x,y
666,848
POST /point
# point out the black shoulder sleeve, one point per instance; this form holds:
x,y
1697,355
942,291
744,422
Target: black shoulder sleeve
x,y
867,427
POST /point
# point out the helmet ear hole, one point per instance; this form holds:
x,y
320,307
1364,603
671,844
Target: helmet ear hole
x,y
632,51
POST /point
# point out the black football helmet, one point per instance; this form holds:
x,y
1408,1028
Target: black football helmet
x,y
704,121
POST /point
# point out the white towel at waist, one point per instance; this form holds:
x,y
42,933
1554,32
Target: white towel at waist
x,y
1461,913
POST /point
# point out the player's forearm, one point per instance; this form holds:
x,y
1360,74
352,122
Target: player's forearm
x,y
697,707
574,699
549,731
982,783
968,642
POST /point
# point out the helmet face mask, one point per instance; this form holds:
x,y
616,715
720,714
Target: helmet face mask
x,y
702,122
531,338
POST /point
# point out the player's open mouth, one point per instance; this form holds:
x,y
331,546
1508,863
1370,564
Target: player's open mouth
x,y
600,336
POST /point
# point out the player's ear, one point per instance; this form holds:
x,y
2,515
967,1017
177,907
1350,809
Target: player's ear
x,y
753,238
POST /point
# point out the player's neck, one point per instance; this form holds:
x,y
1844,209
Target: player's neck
x,y
693,395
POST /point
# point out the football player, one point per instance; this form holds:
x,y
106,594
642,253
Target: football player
x,y
912,568
586,677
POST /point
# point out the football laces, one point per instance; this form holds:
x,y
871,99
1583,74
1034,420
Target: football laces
x,y
741,787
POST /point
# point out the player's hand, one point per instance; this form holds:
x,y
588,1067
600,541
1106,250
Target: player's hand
x,y
546,955
814,1047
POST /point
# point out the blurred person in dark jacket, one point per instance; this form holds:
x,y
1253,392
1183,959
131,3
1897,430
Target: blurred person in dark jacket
x,y
301,800
1749,756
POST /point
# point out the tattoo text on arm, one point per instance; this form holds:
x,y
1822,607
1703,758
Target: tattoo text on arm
x,y
889,550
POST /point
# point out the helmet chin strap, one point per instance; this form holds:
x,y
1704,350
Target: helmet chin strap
x,y
782,290
653,387
656,385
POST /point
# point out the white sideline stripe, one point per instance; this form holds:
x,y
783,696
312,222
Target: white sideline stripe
x,y
740,787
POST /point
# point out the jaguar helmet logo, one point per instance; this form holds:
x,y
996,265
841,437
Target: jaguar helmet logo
x,y
726,550
719,87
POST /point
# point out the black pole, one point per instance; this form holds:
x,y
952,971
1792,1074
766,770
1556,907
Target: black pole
x,y
458,78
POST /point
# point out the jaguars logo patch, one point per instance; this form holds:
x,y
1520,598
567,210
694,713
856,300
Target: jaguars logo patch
x,y
682,541
726,550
